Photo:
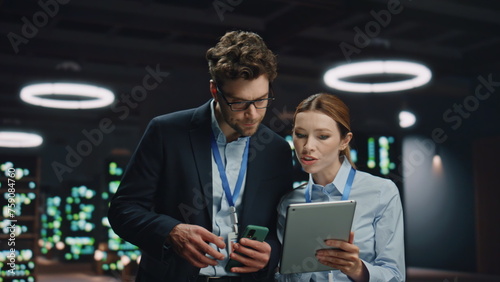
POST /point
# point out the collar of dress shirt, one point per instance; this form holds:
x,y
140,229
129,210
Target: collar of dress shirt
x,y
219,136
339,181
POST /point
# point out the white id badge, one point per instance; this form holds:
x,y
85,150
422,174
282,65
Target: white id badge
x,y
232,238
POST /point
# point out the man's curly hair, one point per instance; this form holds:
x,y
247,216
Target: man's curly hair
x,y
241,54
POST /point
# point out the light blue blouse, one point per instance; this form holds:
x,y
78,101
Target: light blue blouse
x,y
377,225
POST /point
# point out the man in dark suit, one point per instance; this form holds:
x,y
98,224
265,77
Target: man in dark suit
x,y
201,175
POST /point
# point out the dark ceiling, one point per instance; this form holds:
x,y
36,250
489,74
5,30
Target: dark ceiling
x,y
112,42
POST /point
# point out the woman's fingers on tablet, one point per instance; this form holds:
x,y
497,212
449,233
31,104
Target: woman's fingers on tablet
x,y
343,245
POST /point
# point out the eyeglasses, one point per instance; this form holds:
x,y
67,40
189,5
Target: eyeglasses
x,y
243,105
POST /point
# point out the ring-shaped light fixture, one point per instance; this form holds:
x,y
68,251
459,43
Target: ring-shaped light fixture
x,y
99,97
16,139
334,77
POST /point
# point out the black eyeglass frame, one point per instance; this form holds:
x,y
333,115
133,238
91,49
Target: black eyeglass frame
x,y
248,103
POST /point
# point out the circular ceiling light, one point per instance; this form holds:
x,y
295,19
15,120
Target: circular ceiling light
x,y
16,139
82,96
335,77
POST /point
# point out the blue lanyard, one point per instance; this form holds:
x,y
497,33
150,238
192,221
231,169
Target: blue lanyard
x,y
231,199
347,188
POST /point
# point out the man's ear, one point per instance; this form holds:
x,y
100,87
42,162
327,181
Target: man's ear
x,y
213,89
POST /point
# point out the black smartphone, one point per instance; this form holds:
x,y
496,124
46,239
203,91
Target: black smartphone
x,y
252,232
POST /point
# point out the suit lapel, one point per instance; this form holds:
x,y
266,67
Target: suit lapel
x,y
200,143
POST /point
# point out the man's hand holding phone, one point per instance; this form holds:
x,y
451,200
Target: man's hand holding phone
x,y
251,253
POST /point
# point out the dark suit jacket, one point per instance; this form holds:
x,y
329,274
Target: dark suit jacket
x,y
168,181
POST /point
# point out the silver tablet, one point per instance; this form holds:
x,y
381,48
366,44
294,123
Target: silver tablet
x,y
307,226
